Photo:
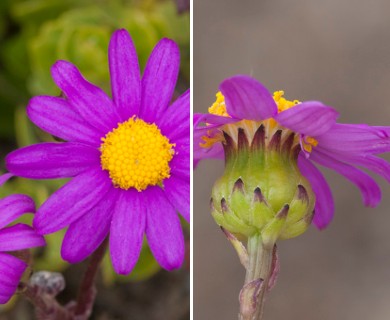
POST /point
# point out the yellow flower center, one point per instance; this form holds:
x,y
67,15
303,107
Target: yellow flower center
x,y
283,103
219,108
136,155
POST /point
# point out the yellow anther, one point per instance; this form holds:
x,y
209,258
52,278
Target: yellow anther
x,y
308,143
282,103
210,140
136,155
219,107
307,147
311,141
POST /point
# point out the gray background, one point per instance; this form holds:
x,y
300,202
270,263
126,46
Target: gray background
x,y
337,52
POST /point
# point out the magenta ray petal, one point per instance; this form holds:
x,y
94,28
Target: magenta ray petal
x,y
13,206
181,146
385,131
163,230
206,131
86,234
57,117
246,98
90,101
369,189
375,164
349,138
11,270
178,193
213,152
19,236
5,177
159,80
197,119
51,160
125,74
180,165
209,124
72,201
367,161
324,207
310,118
214,119
175,121
127,230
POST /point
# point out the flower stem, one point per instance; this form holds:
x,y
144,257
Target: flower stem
x,y
257,276
46,306
87,291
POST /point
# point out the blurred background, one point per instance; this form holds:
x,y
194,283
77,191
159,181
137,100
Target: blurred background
x,y
337,52
33,35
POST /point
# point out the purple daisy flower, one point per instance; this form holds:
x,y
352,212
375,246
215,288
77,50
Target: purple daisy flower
x,y
128,158
244,102
13,238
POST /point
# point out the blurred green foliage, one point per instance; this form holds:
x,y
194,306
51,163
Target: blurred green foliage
x,y
36,33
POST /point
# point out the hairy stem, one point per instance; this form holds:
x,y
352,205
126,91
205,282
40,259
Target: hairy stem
x,y
257,276
87,291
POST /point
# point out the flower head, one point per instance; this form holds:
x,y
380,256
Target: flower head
x,y
247,114
128,158
13,238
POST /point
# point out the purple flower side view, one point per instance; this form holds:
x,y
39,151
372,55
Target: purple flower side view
x,y
128,158
16,237
340,147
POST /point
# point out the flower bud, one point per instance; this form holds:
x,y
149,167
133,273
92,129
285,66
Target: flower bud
x,y
262,190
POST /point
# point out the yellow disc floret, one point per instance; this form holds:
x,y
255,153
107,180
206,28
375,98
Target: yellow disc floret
x,y
283,103
219,107
136,155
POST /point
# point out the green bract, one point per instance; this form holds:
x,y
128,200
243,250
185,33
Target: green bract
x,y
262,190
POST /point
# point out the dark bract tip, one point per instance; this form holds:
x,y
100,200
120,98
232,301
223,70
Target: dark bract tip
x,y
239,185
211,204
283,212
286,147
302,194
243,143
224,206
258,195
275,141
259,138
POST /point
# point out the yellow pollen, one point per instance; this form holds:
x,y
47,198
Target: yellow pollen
x,y
308,143
210,140
136,155
219,108
282,103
